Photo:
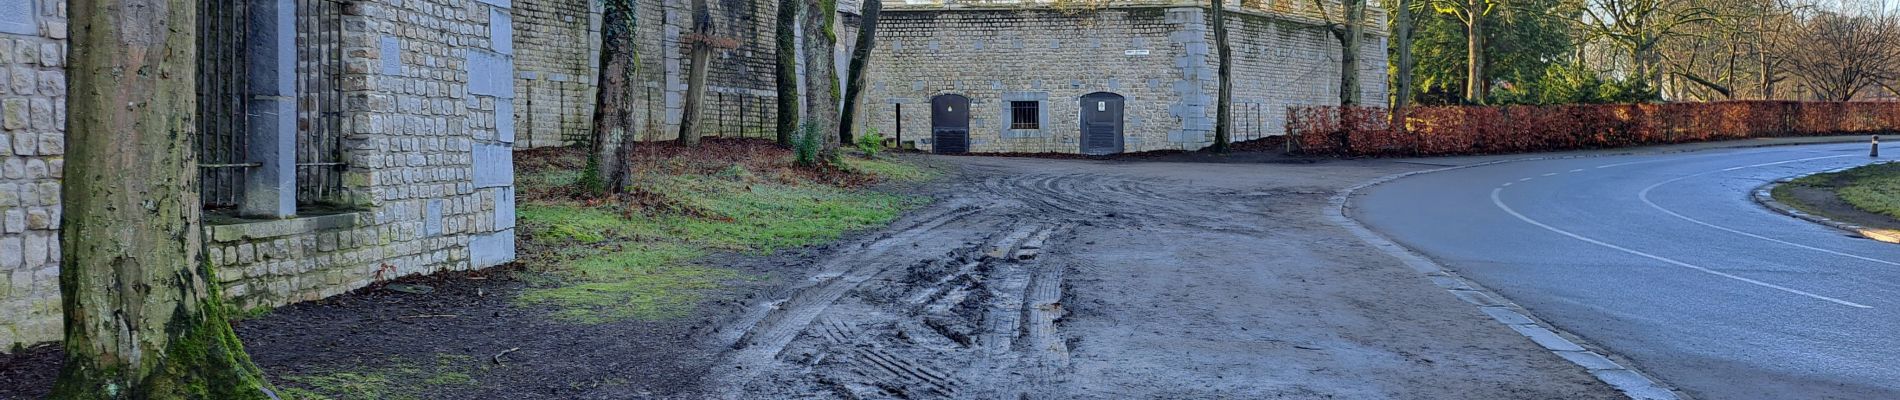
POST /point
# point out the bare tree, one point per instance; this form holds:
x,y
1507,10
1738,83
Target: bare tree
x,y
860,61
1402,42
1637,28
1472,13
1222,115
786,40
143,313
1350,31
701,41
821,72
1838,54
609,158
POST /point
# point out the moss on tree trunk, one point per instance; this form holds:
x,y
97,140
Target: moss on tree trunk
x,y
860,61
821,71
608,158
690,130
787,72
144,319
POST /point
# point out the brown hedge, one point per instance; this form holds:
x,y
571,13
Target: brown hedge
x,y
1451,130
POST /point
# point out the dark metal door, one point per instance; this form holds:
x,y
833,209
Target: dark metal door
x,y
1101,123
950,124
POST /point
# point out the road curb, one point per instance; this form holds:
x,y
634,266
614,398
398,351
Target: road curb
x,y
1630,381
1765,196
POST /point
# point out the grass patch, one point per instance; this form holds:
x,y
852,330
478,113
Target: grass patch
x,y
1873,188
891,170
598,261
396,381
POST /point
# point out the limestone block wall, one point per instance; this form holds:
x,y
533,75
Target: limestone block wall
x,y
1286,61
32,145
557,59
993,56
557,72
1159,58
428,131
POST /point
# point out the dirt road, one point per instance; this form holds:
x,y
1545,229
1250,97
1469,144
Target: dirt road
x,y
1091,279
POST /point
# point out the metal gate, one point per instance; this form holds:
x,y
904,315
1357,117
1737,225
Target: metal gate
x,y
223,165
319,101
950,124
1102,123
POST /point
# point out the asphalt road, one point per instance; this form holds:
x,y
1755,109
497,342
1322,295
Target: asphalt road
x,y
1665,260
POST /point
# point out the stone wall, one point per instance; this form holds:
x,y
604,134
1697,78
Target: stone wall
x,y
427,95
32,142
1159,58
557,59
557,75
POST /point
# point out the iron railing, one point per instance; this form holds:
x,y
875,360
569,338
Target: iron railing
x,y
223,164
319,101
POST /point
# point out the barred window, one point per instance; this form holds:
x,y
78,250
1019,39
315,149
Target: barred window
x,y
223,164
319,101
240,167
1025,115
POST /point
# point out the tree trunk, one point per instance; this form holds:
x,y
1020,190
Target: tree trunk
x,y
144,315
696,78
821,72
1474,52
1403,98
787,73
1223,113
608,160
860,60
1349,48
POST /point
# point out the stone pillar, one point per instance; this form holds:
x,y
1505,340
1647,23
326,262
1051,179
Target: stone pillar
x,y
271,189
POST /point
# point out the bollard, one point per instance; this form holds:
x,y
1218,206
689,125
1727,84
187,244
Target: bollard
x,y
1875,153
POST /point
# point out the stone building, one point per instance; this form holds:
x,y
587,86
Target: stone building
x,y
1023,66
340,143
1101,77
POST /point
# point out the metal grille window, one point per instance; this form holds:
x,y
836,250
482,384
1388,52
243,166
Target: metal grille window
x,y
319,101
222,142
1025,115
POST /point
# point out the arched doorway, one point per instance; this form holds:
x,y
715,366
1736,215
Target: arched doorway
x,y
950,124
1102,123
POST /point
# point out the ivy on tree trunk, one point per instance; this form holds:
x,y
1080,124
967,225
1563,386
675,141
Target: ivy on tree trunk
x,y
144,318
608,158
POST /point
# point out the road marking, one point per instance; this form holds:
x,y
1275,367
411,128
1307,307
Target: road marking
x,y
1779,163
1644,196
1524,180
1551,174
1498,201
1576,170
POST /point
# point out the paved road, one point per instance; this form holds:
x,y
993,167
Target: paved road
x,y
1664,259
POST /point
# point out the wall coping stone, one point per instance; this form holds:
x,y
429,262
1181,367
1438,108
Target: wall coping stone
x,y
264,229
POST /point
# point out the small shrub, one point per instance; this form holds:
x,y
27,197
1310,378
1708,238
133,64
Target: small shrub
x,y
870,142
810,142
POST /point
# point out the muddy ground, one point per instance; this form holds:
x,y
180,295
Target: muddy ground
x,y
1107,279
1028,278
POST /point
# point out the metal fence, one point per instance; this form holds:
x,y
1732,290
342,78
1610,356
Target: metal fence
x,y
222,162
319,100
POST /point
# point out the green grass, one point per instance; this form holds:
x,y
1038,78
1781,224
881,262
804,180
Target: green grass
x,y
604,266
396,381
1873,188
891,170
